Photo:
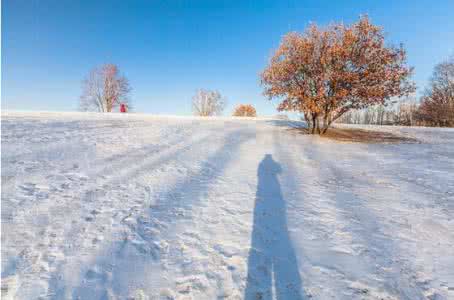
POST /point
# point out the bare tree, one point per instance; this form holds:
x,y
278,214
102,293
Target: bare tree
x,y
437,104
356,117
405,113
104,89
380,111
208,103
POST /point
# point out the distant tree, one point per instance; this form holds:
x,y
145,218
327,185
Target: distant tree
x,y
104,89
437,104
245,110
380,113
281,117
346,118
208,103
368,116
405,113
325,73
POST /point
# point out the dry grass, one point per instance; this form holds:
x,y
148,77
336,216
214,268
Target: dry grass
x,y
361,136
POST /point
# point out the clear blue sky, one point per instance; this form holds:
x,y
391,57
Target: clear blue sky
x,y
168,49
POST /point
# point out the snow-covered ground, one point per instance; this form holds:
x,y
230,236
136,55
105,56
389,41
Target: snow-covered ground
x,y
117,206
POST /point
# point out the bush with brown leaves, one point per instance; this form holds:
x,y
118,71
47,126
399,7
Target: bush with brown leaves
x,y
245,110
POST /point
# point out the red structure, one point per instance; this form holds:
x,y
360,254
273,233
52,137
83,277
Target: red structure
x,y
123,108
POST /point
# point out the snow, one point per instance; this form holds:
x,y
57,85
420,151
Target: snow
x,y
134,206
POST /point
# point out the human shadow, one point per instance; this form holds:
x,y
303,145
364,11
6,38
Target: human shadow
x,y
272,260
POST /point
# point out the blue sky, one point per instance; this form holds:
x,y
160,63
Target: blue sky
x,y
168,49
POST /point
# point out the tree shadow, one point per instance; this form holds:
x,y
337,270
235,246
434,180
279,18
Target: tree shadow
x,y
272,262
127,264
287,123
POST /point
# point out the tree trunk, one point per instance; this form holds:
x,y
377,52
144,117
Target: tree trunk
x,y
314,122
326,122
325,128
318,126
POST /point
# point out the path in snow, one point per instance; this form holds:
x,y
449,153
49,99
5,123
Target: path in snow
x,y
118,206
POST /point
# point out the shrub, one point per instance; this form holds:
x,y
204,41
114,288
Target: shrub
x,y
245,110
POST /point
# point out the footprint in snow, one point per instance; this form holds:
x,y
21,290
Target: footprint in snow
x,y
94,212
28,188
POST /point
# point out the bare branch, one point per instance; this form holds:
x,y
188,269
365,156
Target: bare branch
x,y
208,103
104,89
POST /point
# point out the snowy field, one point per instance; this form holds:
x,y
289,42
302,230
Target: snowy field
x,y
142,207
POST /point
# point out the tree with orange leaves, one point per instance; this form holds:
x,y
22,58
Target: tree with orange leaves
x,y
325,73
245,110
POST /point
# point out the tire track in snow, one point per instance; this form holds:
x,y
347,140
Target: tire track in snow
x,y
379,252
152,237
29,263
387,239
79,148
328,263
72,174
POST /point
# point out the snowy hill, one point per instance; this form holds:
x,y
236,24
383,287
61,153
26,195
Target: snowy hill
x,y
148,207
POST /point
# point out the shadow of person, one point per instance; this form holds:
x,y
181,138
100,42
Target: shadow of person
x,y
272,260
